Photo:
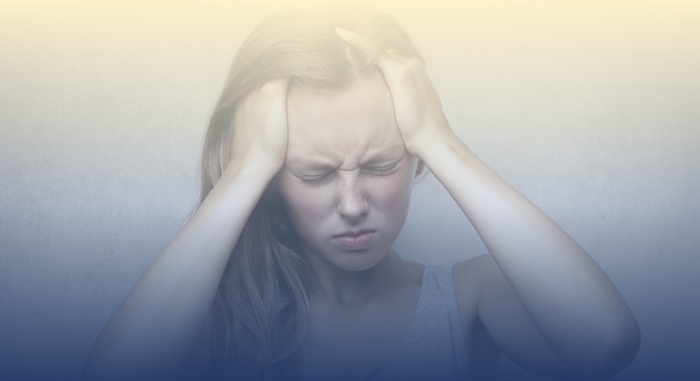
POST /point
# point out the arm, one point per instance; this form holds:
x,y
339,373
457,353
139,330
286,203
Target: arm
x,y
542,281
565,294
158,322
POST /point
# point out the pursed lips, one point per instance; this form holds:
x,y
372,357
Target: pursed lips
x,y
355,240
354,233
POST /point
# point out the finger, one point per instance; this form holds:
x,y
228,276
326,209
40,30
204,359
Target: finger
x,y
386,60
352,38
392,66
275,88
403,57
357,40
277,82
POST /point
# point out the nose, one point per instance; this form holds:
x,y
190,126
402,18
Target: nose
x,y
352,204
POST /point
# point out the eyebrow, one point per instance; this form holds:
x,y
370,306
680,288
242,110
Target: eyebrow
x,y
308,163
322,163
384,156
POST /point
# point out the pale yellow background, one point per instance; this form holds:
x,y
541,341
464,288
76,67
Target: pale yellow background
x,y
590,109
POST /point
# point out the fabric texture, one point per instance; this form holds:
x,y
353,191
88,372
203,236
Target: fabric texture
x,y
434,347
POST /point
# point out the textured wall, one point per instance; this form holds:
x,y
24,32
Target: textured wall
x,y
591,110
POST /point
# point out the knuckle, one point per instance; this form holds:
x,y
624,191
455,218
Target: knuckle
x,y
268,90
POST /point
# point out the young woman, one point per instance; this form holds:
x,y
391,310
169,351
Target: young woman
x,y
286,270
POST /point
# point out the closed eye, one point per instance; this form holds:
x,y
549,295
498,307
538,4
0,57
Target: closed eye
x,y
384,170
316,180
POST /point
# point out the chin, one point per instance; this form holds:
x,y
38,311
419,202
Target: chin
x,y
328,254
360,260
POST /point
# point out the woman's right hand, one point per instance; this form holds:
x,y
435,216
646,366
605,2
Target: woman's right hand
x,y
260,126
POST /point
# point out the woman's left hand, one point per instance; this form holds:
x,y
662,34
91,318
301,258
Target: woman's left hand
x,y
417,106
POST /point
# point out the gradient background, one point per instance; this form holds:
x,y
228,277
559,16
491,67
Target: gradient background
x,y
590,109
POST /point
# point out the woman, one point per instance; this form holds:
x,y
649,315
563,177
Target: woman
x,y
286,269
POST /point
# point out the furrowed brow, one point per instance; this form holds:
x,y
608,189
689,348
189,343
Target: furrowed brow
x,y
384,156
311,163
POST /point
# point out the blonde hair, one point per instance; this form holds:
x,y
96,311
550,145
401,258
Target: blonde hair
x,y
260,315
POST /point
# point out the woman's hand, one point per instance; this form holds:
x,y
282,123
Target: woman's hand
x,y
417,106
260,126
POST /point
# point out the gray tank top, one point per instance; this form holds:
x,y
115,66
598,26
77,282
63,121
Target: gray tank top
x,y
434,348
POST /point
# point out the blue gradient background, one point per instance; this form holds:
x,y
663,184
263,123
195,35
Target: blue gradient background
x,y
590,109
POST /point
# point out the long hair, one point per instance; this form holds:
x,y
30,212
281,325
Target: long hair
x,y
260,315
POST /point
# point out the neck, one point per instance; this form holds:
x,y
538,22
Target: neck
x,y
349,287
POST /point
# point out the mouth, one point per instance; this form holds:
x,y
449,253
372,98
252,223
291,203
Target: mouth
x,y
357,240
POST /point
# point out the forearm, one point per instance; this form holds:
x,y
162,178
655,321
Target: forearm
x,y
566,294
161,317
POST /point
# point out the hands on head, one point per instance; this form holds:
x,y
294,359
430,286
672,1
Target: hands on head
x,y
417,105
261,135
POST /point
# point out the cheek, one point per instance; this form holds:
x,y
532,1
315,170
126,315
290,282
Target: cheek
x,y
391,194
303,202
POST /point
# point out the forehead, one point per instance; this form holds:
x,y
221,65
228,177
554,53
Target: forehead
x,y
345,128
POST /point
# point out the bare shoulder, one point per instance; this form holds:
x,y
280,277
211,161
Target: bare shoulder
x,y
470,276
475,267
469,279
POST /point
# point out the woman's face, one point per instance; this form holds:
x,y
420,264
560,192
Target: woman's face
x,y
346,182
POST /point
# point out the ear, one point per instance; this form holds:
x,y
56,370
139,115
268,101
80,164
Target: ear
x,y
419,168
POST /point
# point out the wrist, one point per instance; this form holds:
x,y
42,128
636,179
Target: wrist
x,y
255,161
256,171
435,144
